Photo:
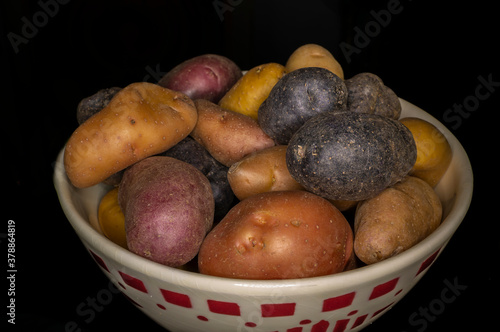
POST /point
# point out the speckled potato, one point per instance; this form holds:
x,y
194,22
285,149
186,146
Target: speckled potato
x,y
93,104
433,150
261,171
278,235
143,119
367,93
313,55
395,220
252,89
228,136
297,97
169,208
350,156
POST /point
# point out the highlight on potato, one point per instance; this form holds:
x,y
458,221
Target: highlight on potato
x,y
285,171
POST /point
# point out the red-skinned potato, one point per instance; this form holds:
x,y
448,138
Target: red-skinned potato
x,y
228,136
278,235
207,76
169,208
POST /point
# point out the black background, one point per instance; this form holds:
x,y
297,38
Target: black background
x,y
430,53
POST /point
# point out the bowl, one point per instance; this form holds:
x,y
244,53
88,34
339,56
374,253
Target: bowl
x,y
181,300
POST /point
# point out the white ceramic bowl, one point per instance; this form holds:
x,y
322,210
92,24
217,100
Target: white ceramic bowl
x,y
186,301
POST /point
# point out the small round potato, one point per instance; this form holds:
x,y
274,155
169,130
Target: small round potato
x,y
313,55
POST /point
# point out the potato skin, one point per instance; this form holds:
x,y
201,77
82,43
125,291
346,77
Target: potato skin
x,y
395,220
278,235
191,152
366,93
111,218
261,171
168,207
207,76
143,119
313,55
297,97
227,135
252,89
350,156
433,150
93,104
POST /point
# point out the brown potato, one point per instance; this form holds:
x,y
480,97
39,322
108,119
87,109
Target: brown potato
x,y
143,119
227,135
395,220
261,171
278,235
313,55
252,89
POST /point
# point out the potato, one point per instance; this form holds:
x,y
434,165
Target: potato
x,y
296,98
191,152
252,89
313,55
395,220
143,119
433,150
366,93
168,207
261,171
207,76
227,135
350,156
111,218
278,235
93,104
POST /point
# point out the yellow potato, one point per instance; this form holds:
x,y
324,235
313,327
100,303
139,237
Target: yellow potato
x,y
262,171
252,89
395,220
433,150
313,55
142,120
111,218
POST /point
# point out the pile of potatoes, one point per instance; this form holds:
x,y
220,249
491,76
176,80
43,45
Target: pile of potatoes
x,y
283,171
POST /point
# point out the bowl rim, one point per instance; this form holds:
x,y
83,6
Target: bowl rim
x,y
351,278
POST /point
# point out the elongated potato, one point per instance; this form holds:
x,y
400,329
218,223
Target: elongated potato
x,y
143,119
227,135
313,55
252,89
262,171
433,150
395,220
